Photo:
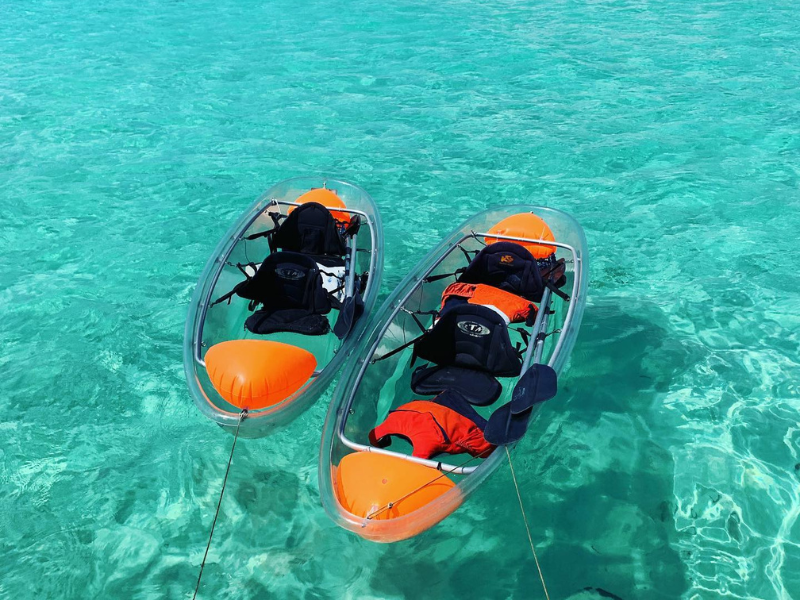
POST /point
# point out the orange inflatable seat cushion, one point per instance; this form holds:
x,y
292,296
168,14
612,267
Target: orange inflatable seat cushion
x,y
327,198
525,225
255,374
367,482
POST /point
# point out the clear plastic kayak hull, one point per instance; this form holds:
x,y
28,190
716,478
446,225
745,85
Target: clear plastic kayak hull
x,y
210,324
379,498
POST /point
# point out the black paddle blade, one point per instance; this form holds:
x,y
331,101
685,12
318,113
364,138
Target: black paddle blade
x,y
352,309
539,383
504,427
509,423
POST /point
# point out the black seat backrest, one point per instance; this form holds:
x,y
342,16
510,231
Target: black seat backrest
x,y
287,280
507,266
473,337
310,229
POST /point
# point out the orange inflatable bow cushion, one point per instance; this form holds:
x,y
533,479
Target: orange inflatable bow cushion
x,y
255,374
525,225
327,198
386,487
515,308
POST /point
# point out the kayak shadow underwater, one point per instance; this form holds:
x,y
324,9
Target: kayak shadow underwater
x,y
596,477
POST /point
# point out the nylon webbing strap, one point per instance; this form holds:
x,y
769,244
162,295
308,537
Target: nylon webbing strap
x,y
399,348
432,278
224,297
276,219
549,283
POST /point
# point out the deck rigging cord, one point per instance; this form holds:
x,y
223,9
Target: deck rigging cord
x,y
527,527
242,416
390,505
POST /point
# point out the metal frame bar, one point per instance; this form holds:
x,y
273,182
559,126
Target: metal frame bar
x,y
440,466
533,353
222,260
350,278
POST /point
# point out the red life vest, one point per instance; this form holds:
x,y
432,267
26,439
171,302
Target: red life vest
x,y
432,429
515,308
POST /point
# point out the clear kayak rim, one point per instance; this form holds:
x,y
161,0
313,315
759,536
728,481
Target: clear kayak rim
x,y
359,388
208,324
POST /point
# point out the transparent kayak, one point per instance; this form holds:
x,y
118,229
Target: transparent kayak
x,y
275,368
386,494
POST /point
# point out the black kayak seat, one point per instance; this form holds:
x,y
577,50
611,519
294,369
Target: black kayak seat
x,y
288,287
289,320
507,266
473,337
479,388
469,347
310,229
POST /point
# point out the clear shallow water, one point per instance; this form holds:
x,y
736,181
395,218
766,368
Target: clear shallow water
x,y
133,133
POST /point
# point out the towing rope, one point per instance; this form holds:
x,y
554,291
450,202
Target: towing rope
x,y
527,527
242,415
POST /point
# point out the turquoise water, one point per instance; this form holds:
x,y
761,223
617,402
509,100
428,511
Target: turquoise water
x,y
133,133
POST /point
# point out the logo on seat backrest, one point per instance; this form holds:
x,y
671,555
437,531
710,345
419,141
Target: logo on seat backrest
x,y
289,273
506,259
472,328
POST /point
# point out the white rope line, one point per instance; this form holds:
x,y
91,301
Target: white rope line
x,y
242,415
527,527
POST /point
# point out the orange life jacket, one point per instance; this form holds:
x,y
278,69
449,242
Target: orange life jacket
x,y
515,308
432,429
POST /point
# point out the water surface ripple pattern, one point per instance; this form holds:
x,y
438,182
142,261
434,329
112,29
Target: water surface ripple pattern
x,y
133,132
